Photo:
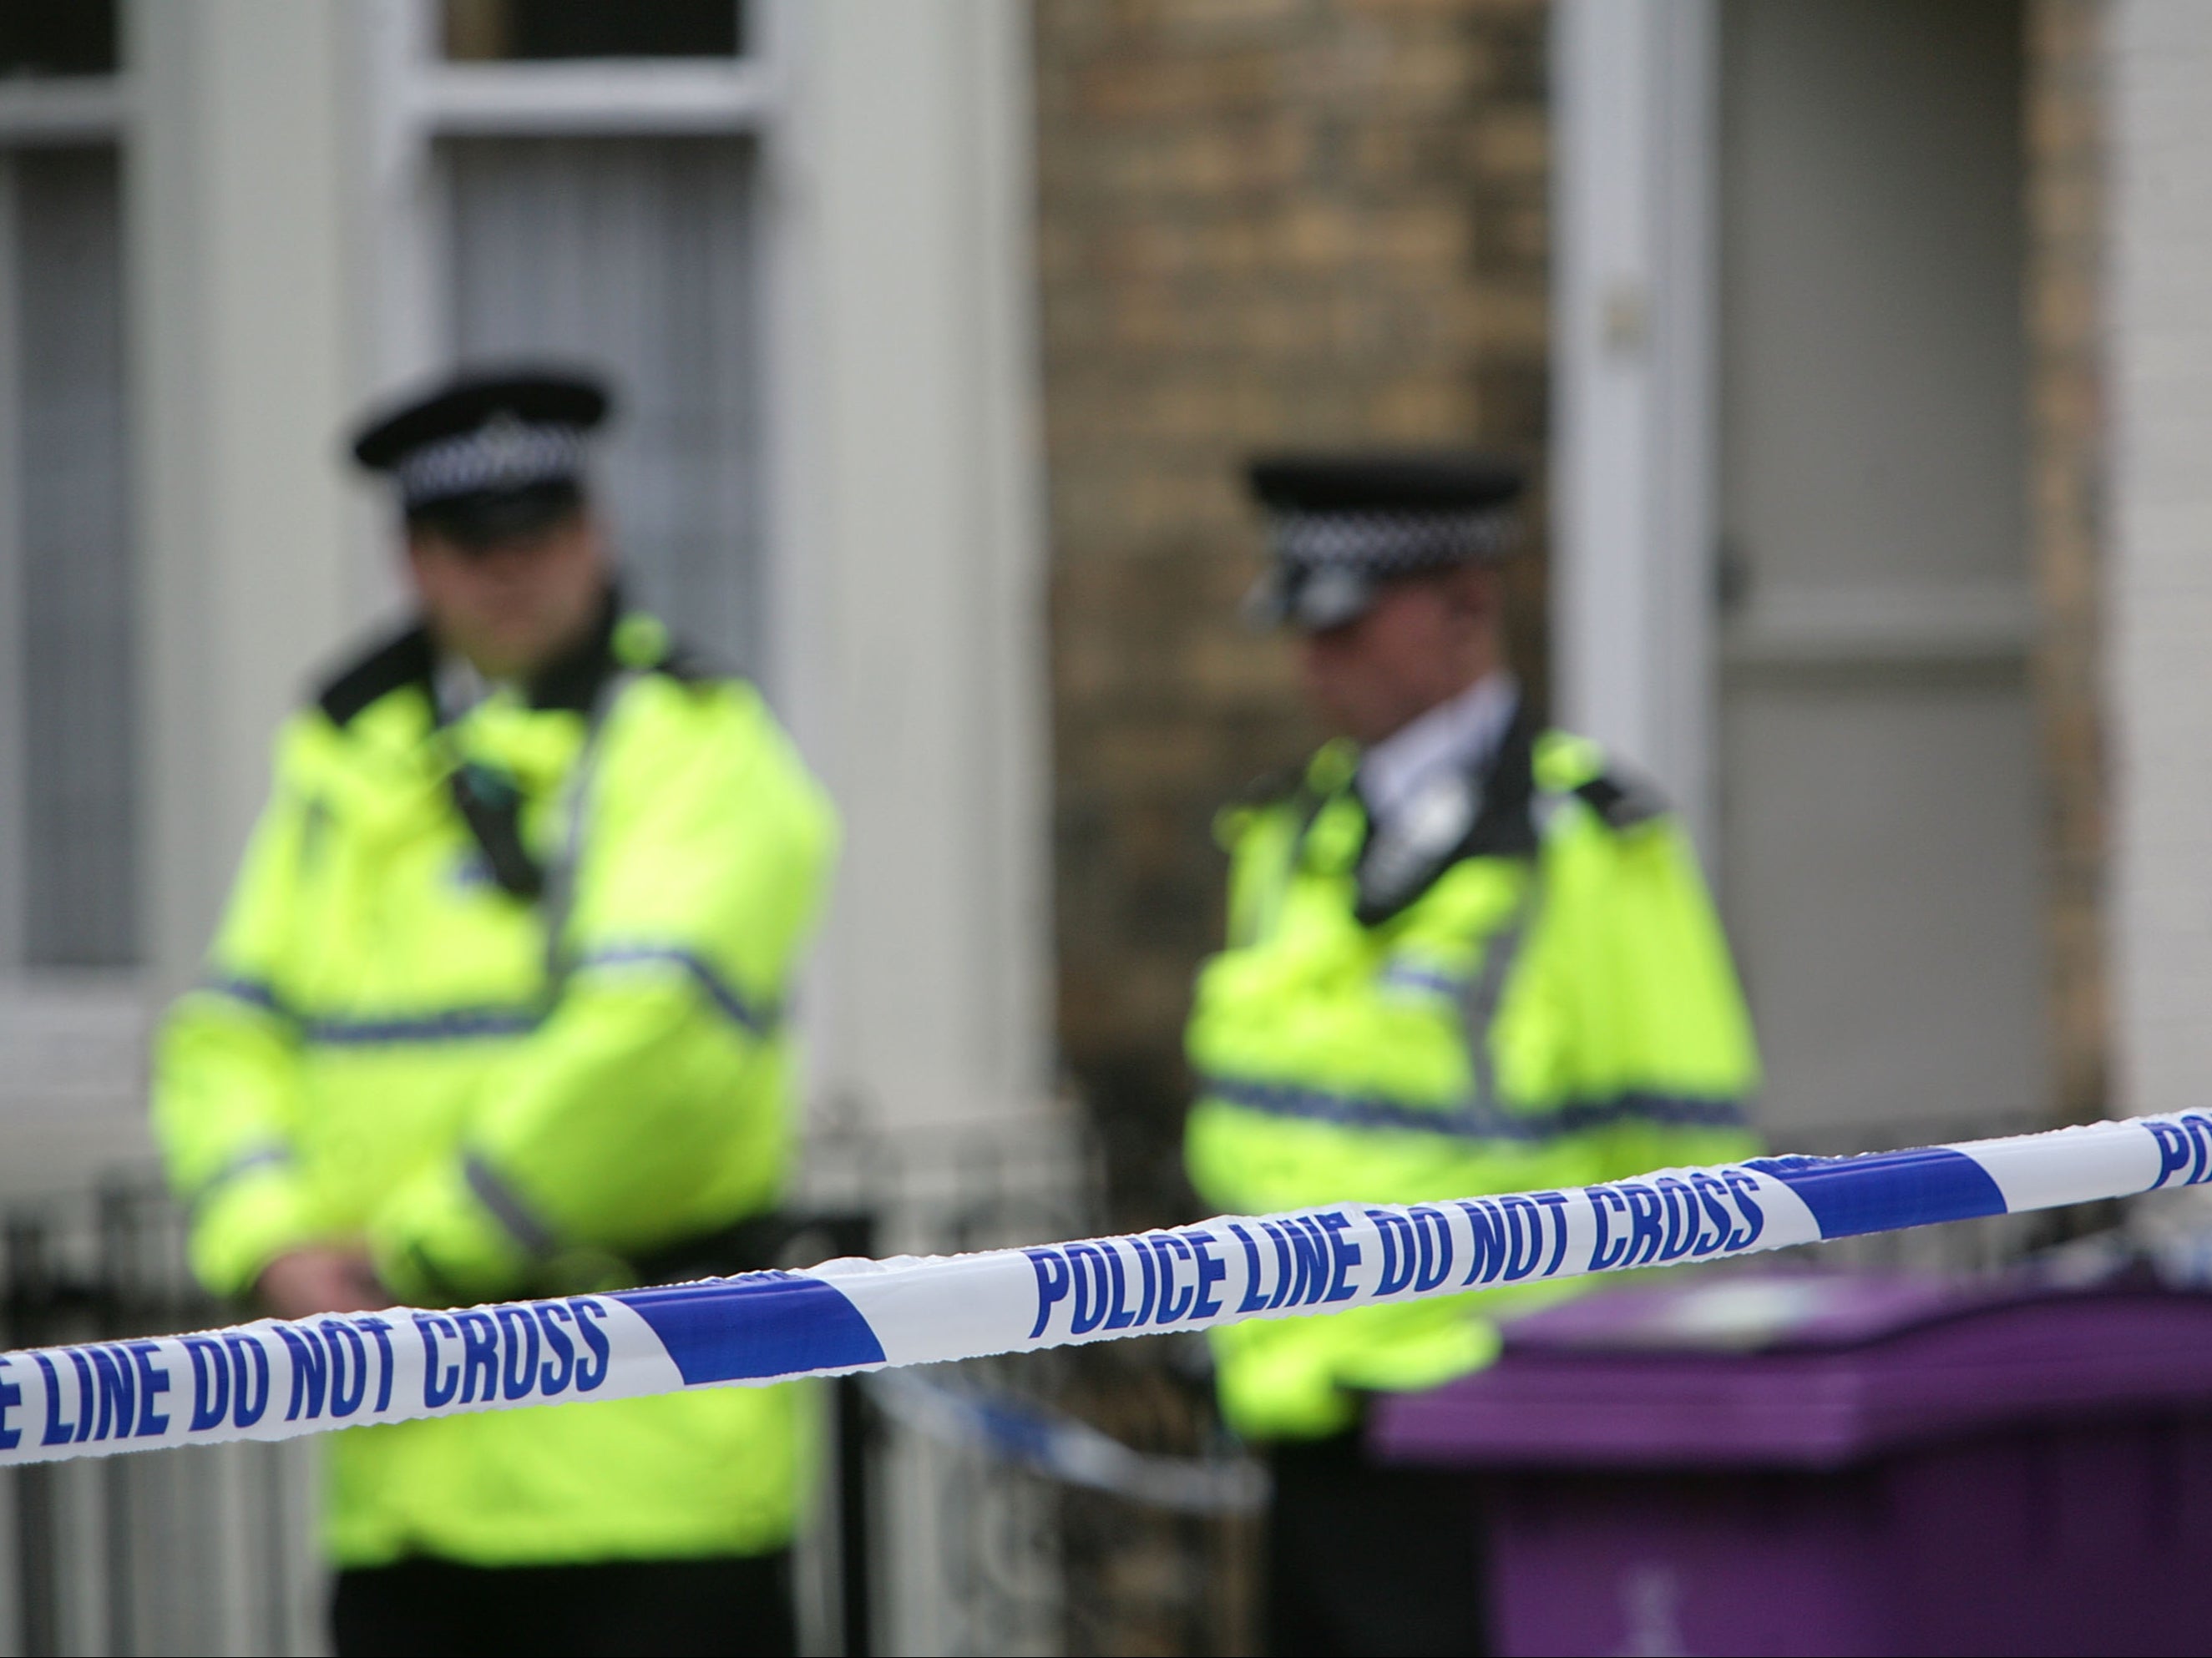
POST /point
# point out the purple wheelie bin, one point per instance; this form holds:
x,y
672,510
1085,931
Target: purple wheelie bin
x,y
1840,1464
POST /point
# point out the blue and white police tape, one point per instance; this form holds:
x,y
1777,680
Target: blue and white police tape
x,y
273,1381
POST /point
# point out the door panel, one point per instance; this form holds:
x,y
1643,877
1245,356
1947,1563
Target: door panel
x,y
1879,792
1878,896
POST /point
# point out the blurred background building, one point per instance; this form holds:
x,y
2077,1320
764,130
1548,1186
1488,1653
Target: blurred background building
x,y
1857,345
1796,310
1822,322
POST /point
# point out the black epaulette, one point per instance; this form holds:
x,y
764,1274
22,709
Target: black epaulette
x,y
403,660
1624,800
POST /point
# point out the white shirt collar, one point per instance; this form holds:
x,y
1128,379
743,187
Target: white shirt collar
x,y
458,687
1457,735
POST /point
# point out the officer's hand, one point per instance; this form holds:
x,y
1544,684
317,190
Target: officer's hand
x,y
310,1281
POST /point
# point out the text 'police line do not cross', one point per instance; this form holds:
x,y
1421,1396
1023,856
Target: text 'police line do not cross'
x,y
271,1379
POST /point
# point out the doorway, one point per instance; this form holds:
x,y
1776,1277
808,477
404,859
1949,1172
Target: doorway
x,y
1878,787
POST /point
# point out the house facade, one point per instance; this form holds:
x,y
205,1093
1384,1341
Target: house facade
x,y
1847,345
1850,346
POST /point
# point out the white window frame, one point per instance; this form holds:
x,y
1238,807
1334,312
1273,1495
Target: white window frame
x,y
75,1037
414,97
1635,386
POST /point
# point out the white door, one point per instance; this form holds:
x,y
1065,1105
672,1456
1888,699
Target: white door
x,y
1878,782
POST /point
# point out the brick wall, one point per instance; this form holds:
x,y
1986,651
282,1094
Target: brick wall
x,y
1262,222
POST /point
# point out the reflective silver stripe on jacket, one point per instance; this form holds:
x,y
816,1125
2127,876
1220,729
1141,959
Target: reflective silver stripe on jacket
x,y
522,1224
1484,992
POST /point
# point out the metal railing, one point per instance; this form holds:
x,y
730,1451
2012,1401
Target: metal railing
x,y
921,1541
914,1544
197,1550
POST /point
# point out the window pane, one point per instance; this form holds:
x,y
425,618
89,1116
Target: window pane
x,y
635,255
57,37
80,888
485,31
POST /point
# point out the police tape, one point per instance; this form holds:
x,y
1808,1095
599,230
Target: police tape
x,y
274,1379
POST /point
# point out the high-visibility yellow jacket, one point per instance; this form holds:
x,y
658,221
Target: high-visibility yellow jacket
x,y
389,1049
1543,1000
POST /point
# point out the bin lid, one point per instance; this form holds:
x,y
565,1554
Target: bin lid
x,y
1798,1369
1754,1312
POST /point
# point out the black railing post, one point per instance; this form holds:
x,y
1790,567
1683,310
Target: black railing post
x,y
118,1310
855,1588
30,1305
851,1234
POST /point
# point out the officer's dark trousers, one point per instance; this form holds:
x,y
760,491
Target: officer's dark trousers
x,y
1363,1558
741,1608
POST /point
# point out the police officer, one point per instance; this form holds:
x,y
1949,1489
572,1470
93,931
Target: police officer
x,y
495,1009
1466,955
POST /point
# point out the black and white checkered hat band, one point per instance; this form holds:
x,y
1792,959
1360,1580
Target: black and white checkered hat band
x,y
1381,543
502,455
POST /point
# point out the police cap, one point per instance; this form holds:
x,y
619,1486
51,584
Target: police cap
x,y
1341,525
485,456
